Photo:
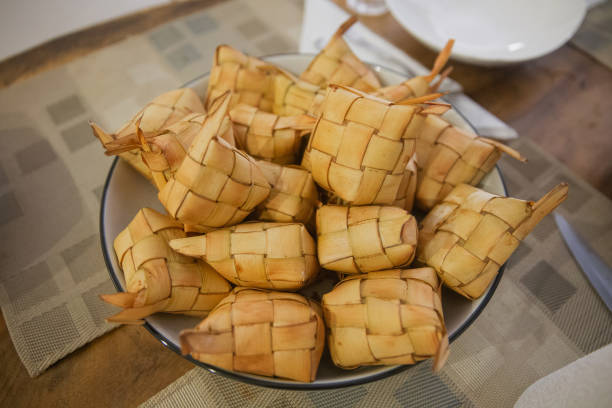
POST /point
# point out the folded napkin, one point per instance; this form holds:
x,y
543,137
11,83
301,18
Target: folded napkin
x,y
322,18
585,382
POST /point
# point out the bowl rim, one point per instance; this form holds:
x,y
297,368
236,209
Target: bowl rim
x,y
270,383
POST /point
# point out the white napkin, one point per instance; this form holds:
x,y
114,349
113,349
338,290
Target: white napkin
x,y
583,383
322,18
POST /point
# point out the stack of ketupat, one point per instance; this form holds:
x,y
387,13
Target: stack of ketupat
x,y
375,151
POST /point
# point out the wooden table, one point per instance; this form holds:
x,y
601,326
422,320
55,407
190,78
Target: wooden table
x,y
557,101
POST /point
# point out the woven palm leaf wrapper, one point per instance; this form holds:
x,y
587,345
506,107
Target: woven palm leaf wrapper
x,y
337,64
164,152
295,96
471,233
157,278
268,136
362,239
164,110
419,85
275,334
386,318
294,196
407,191
257,254
448,156
216,185
242,74
361,145
405,194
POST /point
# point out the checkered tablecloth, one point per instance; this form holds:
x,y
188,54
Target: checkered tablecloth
x,y
543,315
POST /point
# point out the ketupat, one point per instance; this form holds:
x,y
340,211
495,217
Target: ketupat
x,y
361,145
448,156
242,75
386,318
471,233
261,332
257,254
362,239
157,278
294,96
164,152
337,64
405,194
216,185
164,110
268,136
294,196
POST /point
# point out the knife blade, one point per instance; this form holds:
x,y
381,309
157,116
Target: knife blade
x,y
595,269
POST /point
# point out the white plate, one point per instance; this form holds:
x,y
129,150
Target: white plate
x,y
491,32
126,192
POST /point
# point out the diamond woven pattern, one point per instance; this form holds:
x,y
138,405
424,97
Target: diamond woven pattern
x,y
257,254
293,96
385,318
234,71
337,64
159,278
363,239
449,156
164,110
169,148
405,193
164,153
268,136
260,332
161,112
294,195
471,233
216,184
361,145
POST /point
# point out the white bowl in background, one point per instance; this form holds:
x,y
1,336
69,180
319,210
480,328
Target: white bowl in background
x,y
491,32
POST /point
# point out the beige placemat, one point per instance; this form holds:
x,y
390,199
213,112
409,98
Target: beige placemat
x,y
52,170
543,316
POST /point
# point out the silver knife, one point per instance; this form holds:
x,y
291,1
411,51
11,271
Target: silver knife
x,y
598,273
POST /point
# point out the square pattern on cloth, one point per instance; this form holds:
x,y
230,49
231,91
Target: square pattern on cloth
x,y
9,208
78,136
552,289
35,156
65,109
165,37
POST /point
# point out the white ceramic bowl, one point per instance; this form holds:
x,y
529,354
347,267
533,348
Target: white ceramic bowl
x,y
126,191
491,32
